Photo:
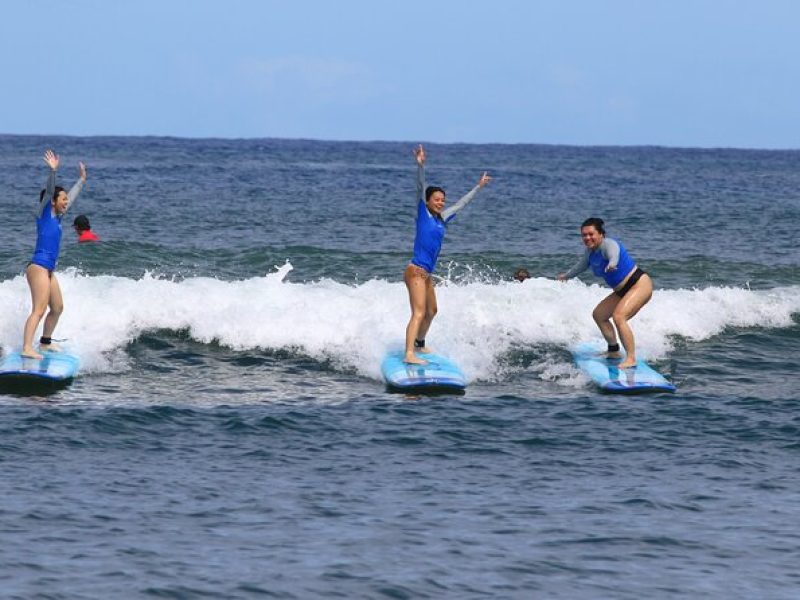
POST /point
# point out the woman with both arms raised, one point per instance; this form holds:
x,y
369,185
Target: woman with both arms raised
x,y
632,287
432,220
45,291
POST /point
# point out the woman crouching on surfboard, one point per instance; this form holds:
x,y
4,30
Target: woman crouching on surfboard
x,y
632,287
45,291
432,220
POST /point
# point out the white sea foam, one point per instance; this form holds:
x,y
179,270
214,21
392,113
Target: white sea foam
x,y
353,325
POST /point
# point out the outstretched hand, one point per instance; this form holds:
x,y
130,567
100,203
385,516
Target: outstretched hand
x,y
51,158
419,155
484,179
82,170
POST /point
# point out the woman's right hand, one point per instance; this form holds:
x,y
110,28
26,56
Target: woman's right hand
x,y
51,158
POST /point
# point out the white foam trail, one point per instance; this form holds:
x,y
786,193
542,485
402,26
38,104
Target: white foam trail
x,y
353,325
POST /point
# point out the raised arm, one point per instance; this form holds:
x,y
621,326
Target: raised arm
x,y
450,212
419,155
52,160
76,189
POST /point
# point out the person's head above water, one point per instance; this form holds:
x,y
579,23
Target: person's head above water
x,y
521,274
81,223
434,199
592,232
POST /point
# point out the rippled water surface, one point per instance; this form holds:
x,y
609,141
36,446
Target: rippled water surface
x,y
229,435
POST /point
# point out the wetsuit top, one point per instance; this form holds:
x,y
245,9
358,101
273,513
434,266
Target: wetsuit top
x,y
431,228
48,224
610,252
87,235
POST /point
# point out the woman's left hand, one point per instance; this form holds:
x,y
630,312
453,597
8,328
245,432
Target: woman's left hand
x,y
419,155
82,170
484,179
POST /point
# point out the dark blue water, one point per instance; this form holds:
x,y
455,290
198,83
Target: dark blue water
x,y
229,435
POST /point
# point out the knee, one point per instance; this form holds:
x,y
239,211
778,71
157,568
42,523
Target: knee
x,y
417,314
37,312
619,318
57,309
431,311
599,316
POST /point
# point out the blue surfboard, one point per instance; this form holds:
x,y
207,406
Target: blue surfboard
x,y
54,367
610,378
440,374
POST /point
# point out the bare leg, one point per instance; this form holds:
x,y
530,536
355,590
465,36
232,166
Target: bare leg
x,y
602,316
417,295
431,308
626,309
39,282
56,303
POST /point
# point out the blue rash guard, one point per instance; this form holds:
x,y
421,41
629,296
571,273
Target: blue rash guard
x,y
48,240
428,241
611,252
48,225
431,228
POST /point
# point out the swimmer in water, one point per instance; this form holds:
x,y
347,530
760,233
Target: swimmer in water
x,y
84,230
521,275
632,287
432,220
40,272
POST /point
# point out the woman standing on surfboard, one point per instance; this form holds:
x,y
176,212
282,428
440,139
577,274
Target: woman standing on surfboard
x,y
45,291
632,287
432,220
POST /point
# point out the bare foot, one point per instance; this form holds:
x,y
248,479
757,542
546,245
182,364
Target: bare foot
x,y
412,359
628,363
30,353
51,347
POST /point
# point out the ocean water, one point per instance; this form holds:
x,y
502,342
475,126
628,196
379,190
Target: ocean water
x,y
229,435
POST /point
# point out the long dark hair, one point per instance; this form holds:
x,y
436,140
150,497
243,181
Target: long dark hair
x,y
595,222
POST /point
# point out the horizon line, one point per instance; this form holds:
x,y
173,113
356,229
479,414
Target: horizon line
x,y
380,141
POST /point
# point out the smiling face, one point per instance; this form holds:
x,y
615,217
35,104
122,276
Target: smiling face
x,y
591,237
435,203
60,202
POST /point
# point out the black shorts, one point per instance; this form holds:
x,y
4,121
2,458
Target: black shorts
x,y
635,276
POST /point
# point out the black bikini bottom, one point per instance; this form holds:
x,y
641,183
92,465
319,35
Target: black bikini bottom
x,y
636,276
